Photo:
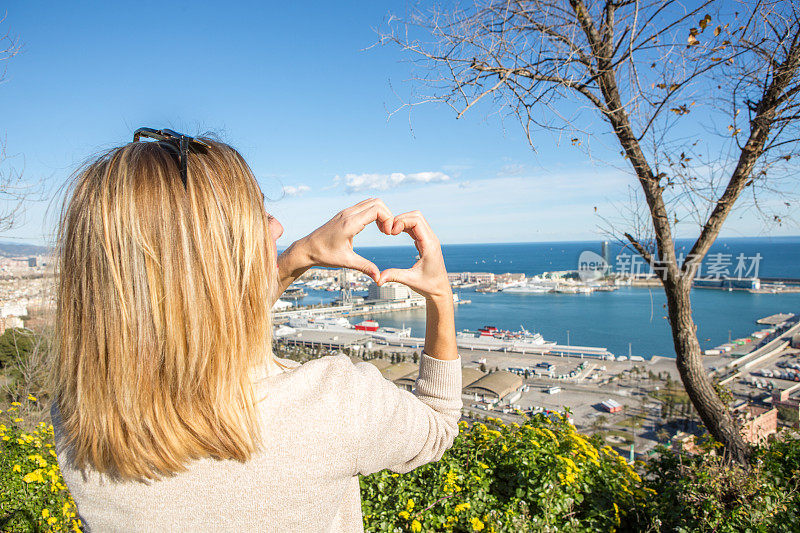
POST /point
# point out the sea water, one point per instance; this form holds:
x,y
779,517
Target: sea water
x,y
629,320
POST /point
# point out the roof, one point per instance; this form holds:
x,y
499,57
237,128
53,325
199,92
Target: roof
x,y
380,364
470,376
402,369
498,384
336,338
409,380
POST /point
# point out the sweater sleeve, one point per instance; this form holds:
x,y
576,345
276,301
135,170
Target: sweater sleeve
x,y
400,430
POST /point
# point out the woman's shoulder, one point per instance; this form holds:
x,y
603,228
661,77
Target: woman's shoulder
x,y
338,372
328,364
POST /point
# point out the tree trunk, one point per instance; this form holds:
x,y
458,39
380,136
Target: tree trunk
x,y
716,416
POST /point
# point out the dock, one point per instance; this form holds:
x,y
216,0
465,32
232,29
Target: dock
x,y
334,336
774,320
347,310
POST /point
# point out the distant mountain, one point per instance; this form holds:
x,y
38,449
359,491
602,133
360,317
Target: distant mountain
x,y
21,249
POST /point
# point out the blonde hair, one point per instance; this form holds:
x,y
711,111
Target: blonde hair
x,y
163,308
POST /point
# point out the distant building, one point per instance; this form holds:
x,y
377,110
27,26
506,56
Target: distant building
x,y
389,291
495,386
757,423
408,382
605,251
456,277
10,322
788,408
399,370
474,277
511,276
796,341
728,283
611,406
32,262
380,364
8,310
327,339
281,304
470,376
480,277
685,442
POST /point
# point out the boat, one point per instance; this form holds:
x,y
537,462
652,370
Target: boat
x,y
493,335
367,325
320,322
566,289
528,288
488,288
394,332
294,294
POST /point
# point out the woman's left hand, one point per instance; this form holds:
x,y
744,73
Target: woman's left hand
x,y
331,245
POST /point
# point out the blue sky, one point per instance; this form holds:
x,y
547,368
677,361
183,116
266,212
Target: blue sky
x,y
298,90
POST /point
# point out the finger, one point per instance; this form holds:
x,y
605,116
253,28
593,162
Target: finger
x,y
357,207
366,266
415,225
377,211
399,275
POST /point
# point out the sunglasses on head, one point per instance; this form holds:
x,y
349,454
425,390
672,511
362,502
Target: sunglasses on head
x,y
177,141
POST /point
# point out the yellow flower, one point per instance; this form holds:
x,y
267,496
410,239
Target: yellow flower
x,y
45,513
17,420
404,515
416,527
16,404
32,398
476,523
462,507
6,437
52,520
483,465
410,504
17,468
36,475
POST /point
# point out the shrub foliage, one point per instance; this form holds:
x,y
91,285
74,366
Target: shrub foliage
x,y
541,475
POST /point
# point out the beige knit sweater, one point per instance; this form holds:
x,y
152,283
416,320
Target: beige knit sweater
x,y
324,422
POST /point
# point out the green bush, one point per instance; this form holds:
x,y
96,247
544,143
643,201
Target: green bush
x,y
540,476
33,496
708,493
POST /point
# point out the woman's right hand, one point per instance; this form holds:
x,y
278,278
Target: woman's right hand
x,y
428,276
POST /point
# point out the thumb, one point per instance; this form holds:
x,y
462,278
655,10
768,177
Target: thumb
x,y
393,274
364,265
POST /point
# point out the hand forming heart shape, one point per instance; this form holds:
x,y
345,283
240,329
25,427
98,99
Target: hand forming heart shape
x,y
331,245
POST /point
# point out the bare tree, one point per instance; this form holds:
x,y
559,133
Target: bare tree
x,y
13,190
699,98
26,374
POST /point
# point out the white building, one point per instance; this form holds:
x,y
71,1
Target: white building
x,y
389,291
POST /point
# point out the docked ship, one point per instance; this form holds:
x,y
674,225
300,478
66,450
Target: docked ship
x,y
367,325
320,322
294,293
487,288
372,326
528,288
492,333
